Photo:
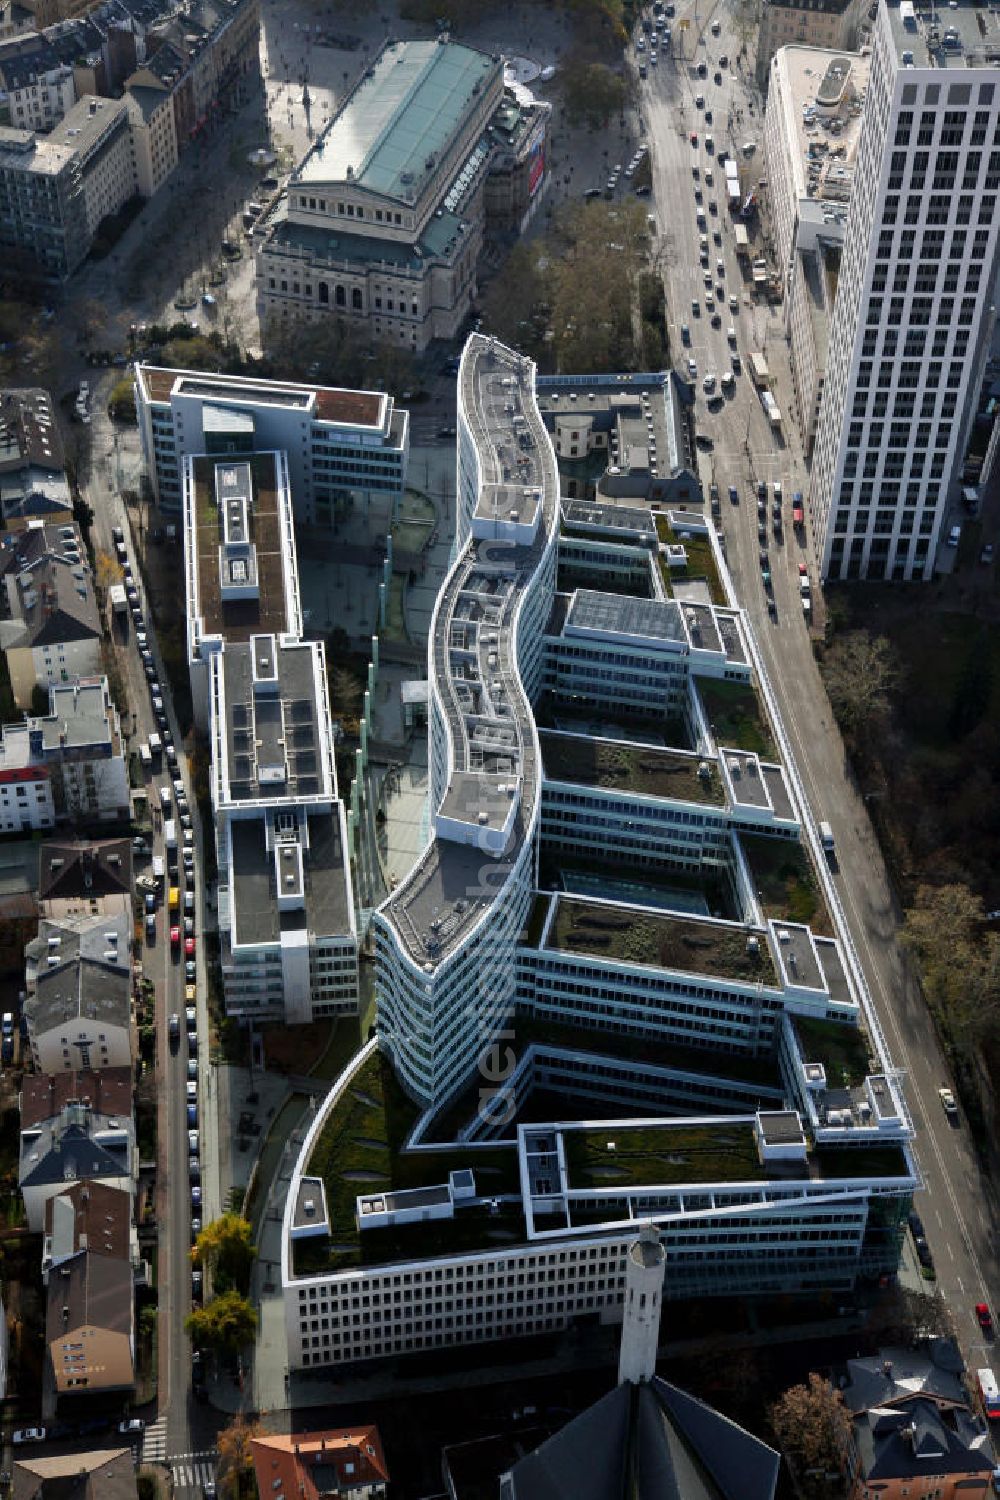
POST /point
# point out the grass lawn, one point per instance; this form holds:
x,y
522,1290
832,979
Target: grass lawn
x,y
785,882
735,715
668,942
843,1050
657,1155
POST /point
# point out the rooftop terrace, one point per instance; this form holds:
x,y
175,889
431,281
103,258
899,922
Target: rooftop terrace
x,y
268,612
615,765
660,940
785,881
329,403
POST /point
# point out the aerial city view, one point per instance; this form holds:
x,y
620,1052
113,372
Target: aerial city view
x,y
499,742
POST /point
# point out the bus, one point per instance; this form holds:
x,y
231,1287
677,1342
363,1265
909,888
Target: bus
x,y
990,1392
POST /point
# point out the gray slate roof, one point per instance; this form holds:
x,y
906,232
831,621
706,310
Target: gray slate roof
x,y
648,1442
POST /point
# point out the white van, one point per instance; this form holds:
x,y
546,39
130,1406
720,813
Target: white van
x,y
826,836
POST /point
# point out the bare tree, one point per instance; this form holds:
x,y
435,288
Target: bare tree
x,y
814,1431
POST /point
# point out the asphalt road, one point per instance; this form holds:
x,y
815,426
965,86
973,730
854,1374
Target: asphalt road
x,y
182,1427
958,1207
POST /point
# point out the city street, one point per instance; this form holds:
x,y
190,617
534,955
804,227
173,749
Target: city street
x,y
959,1208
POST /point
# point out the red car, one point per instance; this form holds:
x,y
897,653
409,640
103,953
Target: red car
x,y
175,935
694,138
985,1317
803,571
189,947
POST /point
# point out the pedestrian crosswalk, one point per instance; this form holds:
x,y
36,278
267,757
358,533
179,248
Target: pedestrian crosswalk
x,y
154,1442
194,1472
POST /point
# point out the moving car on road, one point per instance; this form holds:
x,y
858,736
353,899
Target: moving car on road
x,y
948,1102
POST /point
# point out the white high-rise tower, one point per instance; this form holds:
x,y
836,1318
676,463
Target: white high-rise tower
x,y
914,311
644,1267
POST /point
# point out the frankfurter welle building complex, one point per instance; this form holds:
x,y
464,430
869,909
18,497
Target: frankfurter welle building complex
x,y
616,985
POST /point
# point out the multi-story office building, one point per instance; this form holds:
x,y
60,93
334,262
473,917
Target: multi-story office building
x,y
448,932
914,312
55,189
797,23
384,219
812,127
623,910
286,912
335,444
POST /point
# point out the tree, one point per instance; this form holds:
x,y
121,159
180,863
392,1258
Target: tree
x,y
592,93
814,1432
228,1323
226,1246
959,960
860,673
235,1453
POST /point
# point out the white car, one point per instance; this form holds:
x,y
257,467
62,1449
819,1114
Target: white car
x,y
132,1426
708,384
947,1103
692,368
28,1435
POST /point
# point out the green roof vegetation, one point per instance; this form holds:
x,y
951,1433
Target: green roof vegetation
x,y
360,1150
654,1155
618,766
734,713
859,1161
700,559
842,1049
662,941
786,882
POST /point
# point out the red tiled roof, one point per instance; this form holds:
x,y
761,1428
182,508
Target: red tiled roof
x,y
308,1465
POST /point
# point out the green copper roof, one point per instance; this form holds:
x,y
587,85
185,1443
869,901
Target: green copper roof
x,y
406,110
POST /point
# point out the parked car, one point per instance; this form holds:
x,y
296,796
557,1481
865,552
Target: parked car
x,y
132,1425
28,1435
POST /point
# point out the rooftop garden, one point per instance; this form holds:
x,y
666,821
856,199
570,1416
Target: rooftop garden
x,y
735,716
843,1050
785,882
551,714
655,1155
866,1162
667,941
617,766
700,559
360,1150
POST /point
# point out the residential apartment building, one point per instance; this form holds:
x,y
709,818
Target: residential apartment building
x,y
39,91
154,137
285,902
79,1008
914,317
812,128
335,444
33,484
70,765
77,1144
384,219
345,1462
50,626
594,919
841,24
85,1474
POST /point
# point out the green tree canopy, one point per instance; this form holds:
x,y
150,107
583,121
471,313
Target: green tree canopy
x,y
226,1247
228,1323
